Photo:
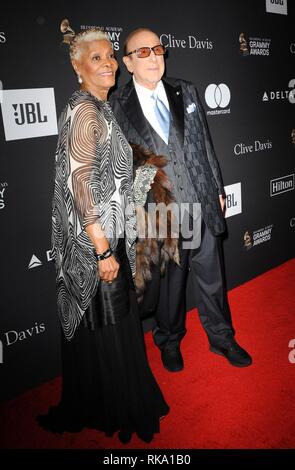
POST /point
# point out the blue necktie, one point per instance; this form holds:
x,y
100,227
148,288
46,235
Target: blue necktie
x,y
162,114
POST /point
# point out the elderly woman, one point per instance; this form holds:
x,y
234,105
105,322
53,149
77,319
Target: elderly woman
x,y
107,382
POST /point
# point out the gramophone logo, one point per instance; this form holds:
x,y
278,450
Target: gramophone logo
x,y
243,44
248,240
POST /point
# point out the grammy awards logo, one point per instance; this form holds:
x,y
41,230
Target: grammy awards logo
x,y
257,237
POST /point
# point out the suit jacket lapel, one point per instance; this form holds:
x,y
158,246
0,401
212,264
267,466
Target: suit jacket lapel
x,y
175,98
131,105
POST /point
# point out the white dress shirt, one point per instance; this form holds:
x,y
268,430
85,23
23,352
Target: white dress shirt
x,y
147,105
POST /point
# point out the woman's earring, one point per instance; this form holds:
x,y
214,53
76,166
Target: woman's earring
x,y
79,79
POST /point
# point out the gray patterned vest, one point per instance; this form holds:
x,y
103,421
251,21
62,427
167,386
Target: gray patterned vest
x,y
176,169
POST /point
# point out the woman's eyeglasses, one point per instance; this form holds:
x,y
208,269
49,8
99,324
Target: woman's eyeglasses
x,y
143,52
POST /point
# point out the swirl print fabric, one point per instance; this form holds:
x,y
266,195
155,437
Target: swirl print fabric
x,y
93,184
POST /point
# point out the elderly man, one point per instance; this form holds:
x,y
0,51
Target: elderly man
x,y
166,117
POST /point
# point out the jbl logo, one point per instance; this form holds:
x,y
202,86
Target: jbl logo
x,y
233,199
28,113
230,200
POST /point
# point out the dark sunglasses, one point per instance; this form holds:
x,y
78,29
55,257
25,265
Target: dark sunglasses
x,y
143,52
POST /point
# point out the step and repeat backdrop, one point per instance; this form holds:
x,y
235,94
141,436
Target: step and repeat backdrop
x,y
240,56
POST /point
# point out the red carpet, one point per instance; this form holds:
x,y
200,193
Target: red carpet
x,y
213,405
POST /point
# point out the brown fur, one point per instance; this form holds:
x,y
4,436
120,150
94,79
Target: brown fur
x,y
151,251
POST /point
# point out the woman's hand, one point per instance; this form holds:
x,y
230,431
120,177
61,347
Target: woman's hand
x,y
222,203
108,269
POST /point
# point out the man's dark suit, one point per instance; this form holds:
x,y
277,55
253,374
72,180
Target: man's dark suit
x,y
190,132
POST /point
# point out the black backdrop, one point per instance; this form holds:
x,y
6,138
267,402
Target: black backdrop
x,y
251,118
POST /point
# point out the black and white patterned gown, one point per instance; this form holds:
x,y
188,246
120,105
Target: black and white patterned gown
x,y
107,382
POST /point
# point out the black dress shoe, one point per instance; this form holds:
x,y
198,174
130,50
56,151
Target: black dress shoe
x,y
235,355
145,436
172,359
124,436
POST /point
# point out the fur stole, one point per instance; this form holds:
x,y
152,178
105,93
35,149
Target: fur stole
x,y
153,251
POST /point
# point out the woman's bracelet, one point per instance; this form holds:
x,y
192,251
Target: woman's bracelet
x,y
106,254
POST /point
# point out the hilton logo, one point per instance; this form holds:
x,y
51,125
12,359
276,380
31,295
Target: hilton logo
x,y
281,185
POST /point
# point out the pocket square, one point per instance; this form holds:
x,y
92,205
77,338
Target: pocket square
x,y
191,108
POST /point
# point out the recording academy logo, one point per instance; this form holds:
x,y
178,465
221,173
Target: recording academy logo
x,y
277,6
189,42
275,95
257,237
217,96
3,187
281,185
35,262
254,45
242,149
29,113
233,199
113,32
2,37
